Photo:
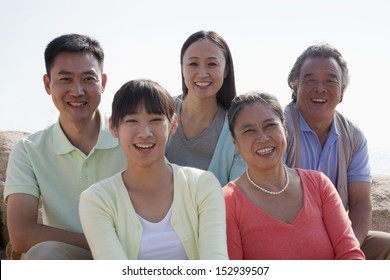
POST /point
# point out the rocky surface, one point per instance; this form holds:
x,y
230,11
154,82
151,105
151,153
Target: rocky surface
x,y
380,202
8,140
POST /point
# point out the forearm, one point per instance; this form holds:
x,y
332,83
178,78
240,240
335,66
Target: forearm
x,y
360,208
23,239
360,216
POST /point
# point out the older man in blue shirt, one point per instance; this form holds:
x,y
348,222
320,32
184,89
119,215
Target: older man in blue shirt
x,y
320,138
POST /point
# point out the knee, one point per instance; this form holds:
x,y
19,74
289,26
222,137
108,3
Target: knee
x,y
55,250
47,250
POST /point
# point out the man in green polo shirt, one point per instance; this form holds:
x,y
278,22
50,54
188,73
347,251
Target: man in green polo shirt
x,y
58,163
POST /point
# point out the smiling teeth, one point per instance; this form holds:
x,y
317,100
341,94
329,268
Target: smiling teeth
x,y
203,84
144,146
77,104
264,151
319,100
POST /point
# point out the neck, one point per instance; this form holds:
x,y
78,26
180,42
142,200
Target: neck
x,y
139,179
321,127
83,135
320,124
273,179
199,109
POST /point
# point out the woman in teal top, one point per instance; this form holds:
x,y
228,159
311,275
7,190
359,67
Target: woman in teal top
x,y
153,209
202,139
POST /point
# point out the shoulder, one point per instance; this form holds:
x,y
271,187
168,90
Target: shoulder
x,y
37,140
178,98
106,188
199,183
192,174
229,189
352,128
311,176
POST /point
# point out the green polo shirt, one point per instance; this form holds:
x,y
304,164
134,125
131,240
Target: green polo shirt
x,y
47,165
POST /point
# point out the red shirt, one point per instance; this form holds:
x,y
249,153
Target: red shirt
x,y
322,229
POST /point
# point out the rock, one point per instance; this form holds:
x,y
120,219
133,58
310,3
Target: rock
x,y
8,139
380,203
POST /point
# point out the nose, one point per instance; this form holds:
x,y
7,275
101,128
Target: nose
x,y
77,89
262,137
203,72
320,87
144,131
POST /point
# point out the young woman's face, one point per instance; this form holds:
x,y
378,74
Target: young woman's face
x,y
204,69
143,136
260,136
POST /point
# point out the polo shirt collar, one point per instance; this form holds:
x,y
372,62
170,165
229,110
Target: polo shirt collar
x,y
62,145
305,127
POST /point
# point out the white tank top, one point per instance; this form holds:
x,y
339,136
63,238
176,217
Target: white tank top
x,y
159,241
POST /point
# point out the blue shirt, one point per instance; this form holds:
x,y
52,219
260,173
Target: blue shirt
x,y
325,159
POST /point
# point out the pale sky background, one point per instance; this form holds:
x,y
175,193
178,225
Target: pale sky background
x,y
142,39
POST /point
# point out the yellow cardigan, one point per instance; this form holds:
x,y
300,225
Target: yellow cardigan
x,y
113,230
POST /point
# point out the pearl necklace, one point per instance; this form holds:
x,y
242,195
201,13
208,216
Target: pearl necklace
x,y
267,191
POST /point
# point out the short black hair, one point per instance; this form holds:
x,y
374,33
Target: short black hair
x,y
73,43
134,93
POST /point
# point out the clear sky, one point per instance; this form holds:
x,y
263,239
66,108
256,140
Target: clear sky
x,y
142,39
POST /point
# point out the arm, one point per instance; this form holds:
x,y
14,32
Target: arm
x,y
359,191
98,225
24,229
345,244
360,208
212,219
232,229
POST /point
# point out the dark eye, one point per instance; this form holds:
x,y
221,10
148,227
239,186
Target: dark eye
x,y
90,79
331,82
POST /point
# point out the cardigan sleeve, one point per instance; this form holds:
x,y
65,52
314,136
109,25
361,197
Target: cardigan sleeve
x,y
98,225
212,218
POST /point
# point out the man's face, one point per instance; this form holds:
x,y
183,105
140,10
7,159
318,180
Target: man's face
x,y
76,83
319,88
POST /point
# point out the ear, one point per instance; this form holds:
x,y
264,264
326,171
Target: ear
x,y
113,129
46,83
104,81
342,93
234,142
226,72
295,90
174,124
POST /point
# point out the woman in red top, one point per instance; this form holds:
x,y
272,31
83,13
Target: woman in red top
x,y
275,212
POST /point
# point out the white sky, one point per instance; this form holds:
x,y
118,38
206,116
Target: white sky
x,y
142,39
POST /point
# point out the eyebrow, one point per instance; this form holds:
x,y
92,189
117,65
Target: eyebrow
x,y
65,72
312,74
246,126
196,57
